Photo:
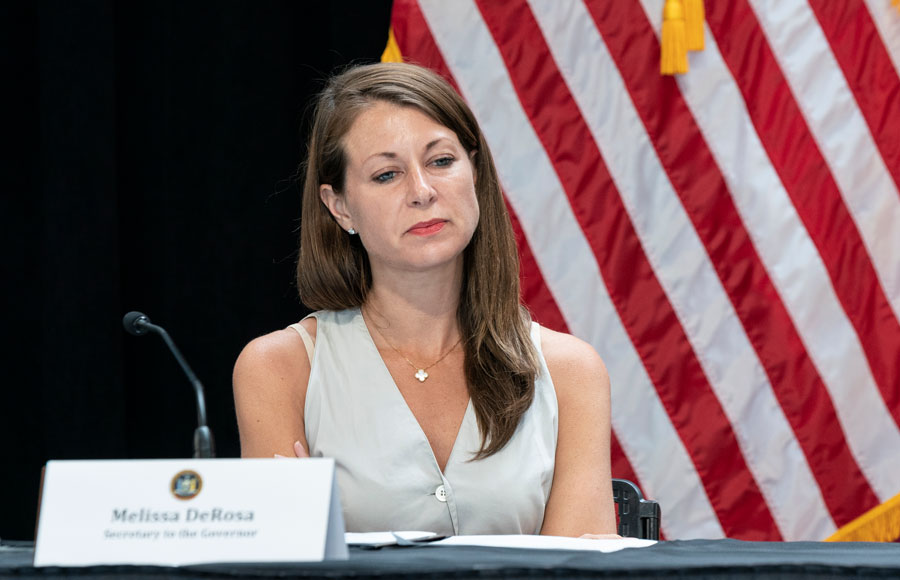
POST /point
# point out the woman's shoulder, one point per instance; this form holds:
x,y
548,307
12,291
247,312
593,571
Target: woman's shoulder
x,y
564,349
280,353
573,363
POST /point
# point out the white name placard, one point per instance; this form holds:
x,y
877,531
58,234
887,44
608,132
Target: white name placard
x,y
189,511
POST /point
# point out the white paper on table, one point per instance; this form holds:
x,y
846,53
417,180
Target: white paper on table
x,y
545,543
383,538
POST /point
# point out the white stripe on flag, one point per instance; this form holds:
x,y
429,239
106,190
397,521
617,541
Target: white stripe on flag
x,y
682,266
569,266
654,11
840,130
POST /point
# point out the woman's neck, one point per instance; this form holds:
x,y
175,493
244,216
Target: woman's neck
x,y
416,311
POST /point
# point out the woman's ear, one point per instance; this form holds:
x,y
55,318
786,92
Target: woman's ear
x,y
337,205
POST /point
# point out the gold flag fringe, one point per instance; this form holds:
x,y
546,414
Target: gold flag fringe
x,y
673,58
879,524
392,50
682,31
694,16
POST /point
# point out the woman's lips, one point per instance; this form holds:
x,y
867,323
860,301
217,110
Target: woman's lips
x,y
427,228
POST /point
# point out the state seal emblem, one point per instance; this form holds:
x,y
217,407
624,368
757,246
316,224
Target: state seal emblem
x,y
186,484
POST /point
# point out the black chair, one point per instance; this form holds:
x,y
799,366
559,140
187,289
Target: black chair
x,y
638,517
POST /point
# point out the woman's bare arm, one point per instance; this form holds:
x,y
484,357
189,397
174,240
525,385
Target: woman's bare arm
x,y
581,496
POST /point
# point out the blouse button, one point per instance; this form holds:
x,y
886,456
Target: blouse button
x,y
440,493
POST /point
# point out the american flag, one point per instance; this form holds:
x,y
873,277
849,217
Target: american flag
x,y
728,239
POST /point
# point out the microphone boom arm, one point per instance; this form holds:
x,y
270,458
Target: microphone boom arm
x,y
195,382
138,324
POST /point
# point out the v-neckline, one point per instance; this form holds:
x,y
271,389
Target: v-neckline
x,y
402,402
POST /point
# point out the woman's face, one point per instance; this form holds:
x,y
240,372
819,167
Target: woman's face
x,y
409,189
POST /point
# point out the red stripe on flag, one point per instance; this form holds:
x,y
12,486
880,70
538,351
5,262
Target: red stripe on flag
x,y
813,191
867,66
640,300
535,292
620,469
704,194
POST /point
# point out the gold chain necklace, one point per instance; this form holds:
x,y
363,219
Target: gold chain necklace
x,y
421,373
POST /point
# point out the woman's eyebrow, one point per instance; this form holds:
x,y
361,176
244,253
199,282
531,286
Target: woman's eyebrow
x,y
435,142
392,155
388,154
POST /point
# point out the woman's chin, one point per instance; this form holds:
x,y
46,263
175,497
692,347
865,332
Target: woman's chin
x,y
432,262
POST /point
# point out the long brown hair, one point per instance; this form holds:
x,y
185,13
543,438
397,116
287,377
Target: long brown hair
x,y
333,272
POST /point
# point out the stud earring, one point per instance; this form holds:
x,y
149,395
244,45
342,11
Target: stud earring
x,y
351,231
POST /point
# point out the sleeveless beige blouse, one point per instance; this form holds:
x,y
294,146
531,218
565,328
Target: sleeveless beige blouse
x,y
387,474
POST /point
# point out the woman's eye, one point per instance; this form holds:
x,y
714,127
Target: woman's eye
x,y
444,161
385,177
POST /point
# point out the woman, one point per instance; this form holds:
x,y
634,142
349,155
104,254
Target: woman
x,y
444,407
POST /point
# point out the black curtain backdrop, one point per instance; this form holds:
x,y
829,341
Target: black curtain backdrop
x,y
151,153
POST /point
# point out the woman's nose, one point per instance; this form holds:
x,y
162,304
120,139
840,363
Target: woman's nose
x,y
421,191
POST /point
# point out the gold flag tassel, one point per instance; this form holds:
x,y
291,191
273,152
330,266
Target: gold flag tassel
x,y
896,4
879,524
694,17
392,50
673,58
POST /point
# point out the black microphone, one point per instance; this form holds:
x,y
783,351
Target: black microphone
x,y
138,324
